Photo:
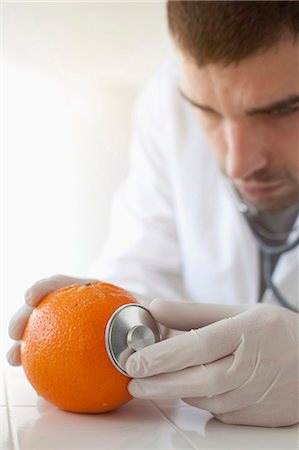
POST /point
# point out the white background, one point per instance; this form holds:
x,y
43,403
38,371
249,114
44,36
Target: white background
x,y
70,72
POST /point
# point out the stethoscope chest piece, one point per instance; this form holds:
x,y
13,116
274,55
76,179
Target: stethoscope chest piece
x,y
130,328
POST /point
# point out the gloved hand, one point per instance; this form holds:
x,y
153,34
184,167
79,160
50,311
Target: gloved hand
x,y
32,298
241,365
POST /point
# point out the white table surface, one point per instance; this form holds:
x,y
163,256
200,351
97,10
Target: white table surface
x,y
29,422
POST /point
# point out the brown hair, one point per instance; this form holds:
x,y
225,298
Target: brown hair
x,y
228,31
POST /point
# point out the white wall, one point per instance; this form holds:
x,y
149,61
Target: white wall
x,y
70,74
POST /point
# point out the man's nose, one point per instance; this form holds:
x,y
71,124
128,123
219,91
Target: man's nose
x,y
245,153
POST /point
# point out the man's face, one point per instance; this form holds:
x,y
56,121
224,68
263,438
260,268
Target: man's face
x,y
249,113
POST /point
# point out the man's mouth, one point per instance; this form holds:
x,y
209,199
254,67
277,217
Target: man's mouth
x,y
259,190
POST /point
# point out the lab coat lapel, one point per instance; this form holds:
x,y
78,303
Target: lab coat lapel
x,y
224,267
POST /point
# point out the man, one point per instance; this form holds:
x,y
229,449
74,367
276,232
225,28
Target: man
x,y
209,205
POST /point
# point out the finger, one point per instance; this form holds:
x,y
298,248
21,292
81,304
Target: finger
x,y
185,315
220,403
251,416
242,395
189,349
19,321
246,393
201,381
43,287
261,415
13,355
239,417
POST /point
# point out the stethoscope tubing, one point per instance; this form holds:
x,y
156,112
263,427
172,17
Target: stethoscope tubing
x,y
275,250
269,283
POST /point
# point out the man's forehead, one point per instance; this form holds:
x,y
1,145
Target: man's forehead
x,y
260,80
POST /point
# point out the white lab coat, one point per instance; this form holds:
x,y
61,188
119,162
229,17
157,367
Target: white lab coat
x,y
175,231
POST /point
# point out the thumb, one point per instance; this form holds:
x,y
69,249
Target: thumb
x,y
186,316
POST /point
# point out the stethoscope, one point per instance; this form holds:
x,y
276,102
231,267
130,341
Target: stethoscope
x,y
268,250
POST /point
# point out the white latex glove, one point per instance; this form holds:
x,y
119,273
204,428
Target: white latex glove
x,y
32,298
242,365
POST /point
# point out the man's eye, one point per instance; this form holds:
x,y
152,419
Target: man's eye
x,y
210,112
286,110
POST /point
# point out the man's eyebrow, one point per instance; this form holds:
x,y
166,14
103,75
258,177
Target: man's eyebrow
x,y
193,103
275,106
287,102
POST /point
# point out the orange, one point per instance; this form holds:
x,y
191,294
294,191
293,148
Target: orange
x,y
63,350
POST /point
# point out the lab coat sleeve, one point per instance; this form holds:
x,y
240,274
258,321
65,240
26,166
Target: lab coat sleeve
x,y
142,252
